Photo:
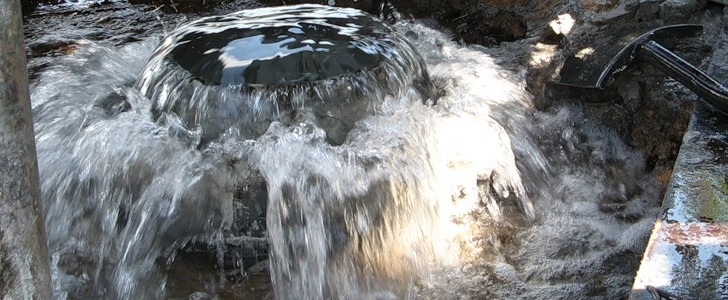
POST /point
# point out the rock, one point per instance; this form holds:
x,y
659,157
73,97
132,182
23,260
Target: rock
x,y
179,5
647,10
484,22
619,14
503,4
200,296
598,5
631,92
28,6
679,9
718,67
370,6
558,29
486,26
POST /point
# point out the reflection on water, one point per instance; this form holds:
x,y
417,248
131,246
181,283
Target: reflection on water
x,y
479,195
246,69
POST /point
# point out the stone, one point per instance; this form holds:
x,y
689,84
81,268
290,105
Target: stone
x,y
28,6
558,29
679,9
647,10
369,6
179,5
503,4
598,5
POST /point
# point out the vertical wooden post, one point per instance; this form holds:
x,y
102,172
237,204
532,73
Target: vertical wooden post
x,y
24,261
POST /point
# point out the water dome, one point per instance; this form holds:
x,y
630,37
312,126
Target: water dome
x,y
327,65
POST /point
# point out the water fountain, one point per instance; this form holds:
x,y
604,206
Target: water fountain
x,y
397,175
253,67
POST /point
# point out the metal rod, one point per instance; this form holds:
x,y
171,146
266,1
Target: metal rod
x,y
24,261
710,90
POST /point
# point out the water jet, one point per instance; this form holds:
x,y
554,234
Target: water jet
x,y
254,66
372,212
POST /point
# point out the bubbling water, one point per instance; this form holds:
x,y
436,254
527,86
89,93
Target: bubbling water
x,y
477,195
249,68
111,191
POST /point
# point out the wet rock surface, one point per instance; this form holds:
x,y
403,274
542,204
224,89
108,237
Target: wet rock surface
x,y
688,246
472,21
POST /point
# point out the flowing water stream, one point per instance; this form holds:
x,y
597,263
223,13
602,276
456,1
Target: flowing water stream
x,y
474,195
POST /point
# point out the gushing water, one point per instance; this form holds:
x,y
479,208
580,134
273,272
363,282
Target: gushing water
x,y
476,195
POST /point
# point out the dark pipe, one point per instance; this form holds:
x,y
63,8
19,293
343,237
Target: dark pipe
x,y
711,91
24,261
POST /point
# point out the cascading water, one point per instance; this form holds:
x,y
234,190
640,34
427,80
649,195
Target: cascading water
x,y
315,70
114,183
388,194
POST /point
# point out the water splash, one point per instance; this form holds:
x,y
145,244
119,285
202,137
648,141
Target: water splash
x,y
478,195
246,69
118,189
